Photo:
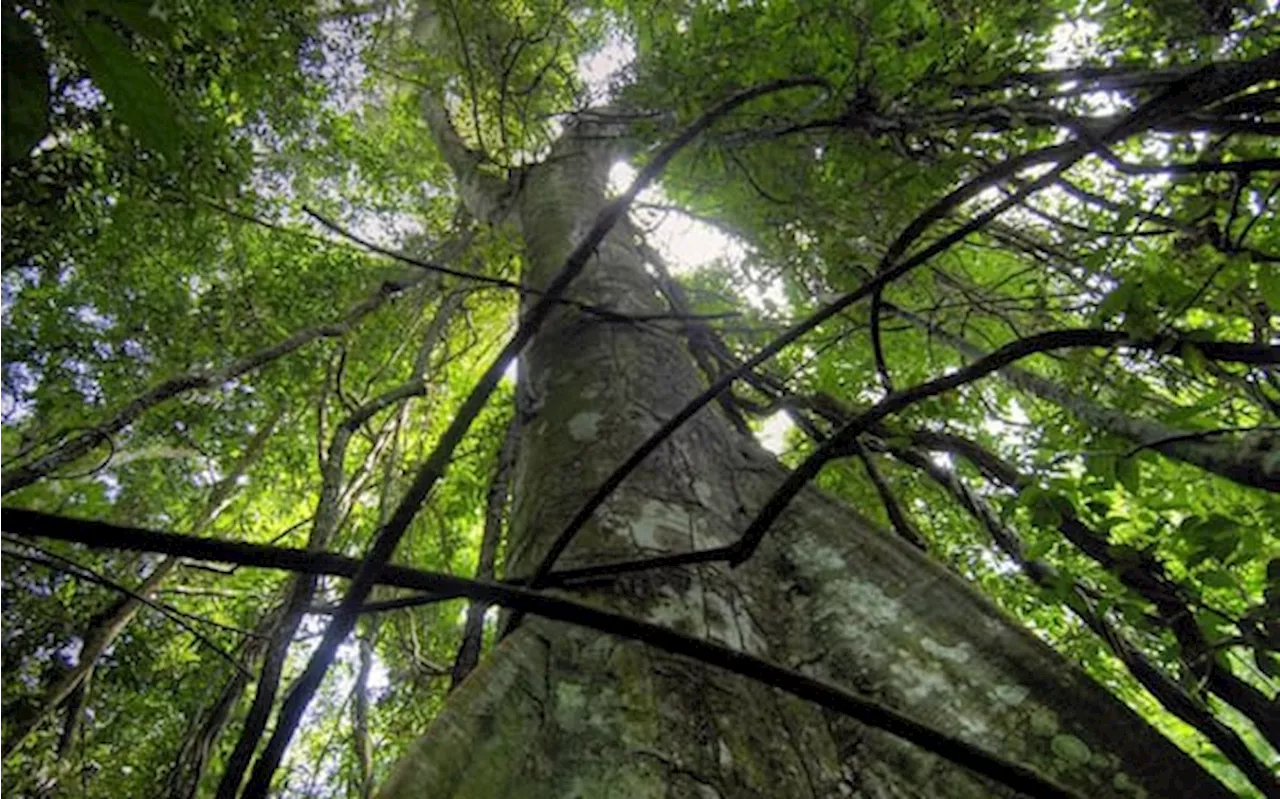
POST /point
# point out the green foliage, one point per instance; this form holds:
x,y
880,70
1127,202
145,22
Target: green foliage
x,y
26,88
140,100
161,230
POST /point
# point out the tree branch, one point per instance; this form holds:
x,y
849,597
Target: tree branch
x,y
20,476
498,282
1139,571
838,445
867,711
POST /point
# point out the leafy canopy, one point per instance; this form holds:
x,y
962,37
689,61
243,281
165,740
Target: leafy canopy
x,y
168,167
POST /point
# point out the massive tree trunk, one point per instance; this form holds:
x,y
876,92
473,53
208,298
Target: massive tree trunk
x,y
557,711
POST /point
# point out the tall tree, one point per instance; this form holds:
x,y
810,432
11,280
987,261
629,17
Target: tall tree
x,y
1007,272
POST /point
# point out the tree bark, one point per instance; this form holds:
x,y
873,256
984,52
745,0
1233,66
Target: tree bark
x,y
1146,575
557,711
1168,693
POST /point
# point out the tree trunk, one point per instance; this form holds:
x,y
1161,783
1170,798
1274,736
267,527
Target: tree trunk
x,y
557,711
495,511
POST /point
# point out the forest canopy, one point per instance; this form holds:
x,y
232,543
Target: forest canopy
x,y
1003,278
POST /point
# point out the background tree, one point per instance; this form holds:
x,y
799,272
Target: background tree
x,y
1004,275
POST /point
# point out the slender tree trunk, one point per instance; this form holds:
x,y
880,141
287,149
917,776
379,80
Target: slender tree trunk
x,y
361,741
184,778
558,711
74,713
495,510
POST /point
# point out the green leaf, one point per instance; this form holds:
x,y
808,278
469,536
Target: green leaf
x,y
1115,303
225,21
141,102
1102,467
1129,473
1193,358
1047,507
1215,537
26,88
1269,285
136,14
1218,578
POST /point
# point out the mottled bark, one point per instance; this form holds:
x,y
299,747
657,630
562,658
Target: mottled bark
x,y
558,711
1146,575
1169,694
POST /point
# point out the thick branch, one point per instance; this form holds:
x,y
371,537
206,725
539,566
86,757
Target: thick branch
x,y
101,535
838,445
1245,462
484,194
